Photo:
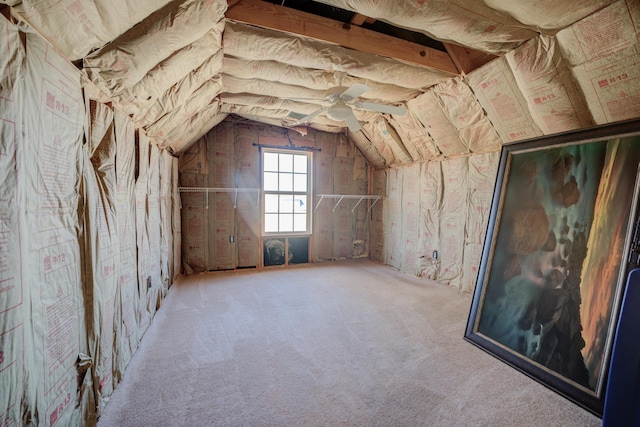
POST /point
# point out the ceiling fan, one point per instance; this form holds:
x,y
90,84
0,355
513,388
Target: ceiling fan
x,y
342,100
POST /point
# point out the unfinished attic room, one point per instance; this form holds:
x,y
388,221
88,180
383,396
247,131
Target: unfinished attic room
x,y
319,213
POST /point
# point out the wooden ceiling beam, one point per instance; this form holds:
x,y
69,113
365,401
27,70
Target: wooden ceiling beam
x,y
281,18
467,60
358,19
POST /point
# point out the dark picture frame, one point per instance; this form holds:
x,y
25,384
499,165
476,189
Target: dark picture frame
x,y
556,256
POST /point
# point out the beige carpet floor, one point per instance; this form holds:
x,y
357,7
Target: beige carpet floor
x,y
346,343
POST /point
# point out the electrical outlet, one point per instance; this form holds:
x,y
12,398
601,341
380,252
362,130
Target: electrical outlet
x,y
232,239
435,255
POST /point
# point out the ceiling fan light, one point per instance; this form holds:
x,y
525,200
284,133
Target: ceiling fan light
x,y
339,112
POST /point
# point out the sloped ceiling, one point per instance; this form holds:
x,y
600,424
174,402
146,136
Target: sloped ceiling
x,y
178,68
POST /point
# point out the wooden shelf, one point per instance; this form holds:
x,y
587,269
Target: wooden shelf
x,y
341,197
208,190
235,191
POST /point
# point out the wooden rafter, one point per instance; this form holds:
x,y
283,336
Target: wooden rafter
x,y
467,60
358,19
281,18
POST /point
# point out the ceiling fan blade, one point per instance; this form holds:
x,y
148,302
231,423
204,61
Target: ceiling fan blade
x,y
354,91
381,108
295,115
310,100
308,117
352,122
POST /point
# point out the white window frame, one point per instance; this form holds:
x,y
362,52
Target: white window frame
x,y
265,193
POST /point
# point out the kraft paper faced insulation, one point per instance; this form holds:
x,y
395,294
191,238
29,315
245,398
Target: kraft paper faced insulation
x,y
202,53
179,93
14,293
100,246
377,216
465,112
431,113
252,43
455,176
120,65
548,15
415,138
430,207
384,150
390,138
246,71
60,254
604,56
93,232
497,91
55,323
409,218
165,210
125,321
545,81
199,99
482,176
96,23
393,218
176,223
466,22
368,150
247,204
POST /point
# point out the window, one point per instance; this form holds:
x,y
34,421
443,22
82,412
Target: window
x,y
285,185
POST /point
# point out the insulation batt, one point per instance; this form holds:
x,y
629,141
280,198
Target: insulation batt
x,y
466,22
125,62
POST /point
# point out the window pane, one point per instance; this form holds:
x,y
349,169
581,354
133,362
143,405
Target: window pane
x,y
271,203
270,181
286,203
300,164
286,162
300,204
300,222
286,182
300,182
271,223
270,162
286,222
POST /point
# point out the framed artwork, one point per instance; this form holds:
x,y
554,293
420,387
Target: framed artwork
x,y
556,257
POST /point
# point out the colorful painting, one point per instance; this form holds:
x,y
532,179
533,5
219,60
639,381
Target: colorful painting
x,y
555,257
